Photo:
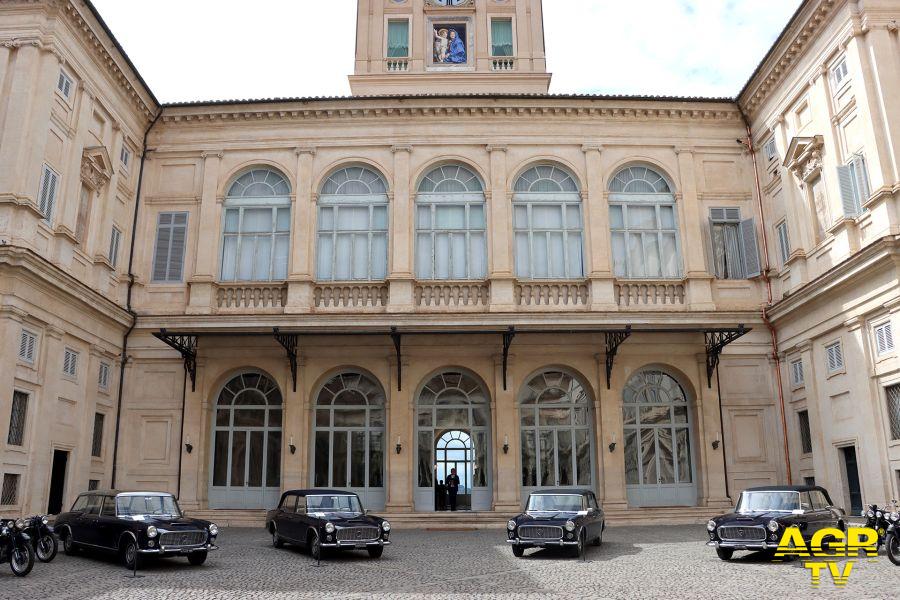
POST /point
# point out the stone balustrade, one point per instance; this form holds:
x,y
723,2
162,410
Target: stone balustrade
x,y
250,296
564,294
503,64
397,65
350,295
453,294
647,294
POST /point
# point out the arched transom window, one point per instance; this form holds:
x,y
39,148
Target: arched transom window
x,y
353,226
645,241
548,225
450,225
257,228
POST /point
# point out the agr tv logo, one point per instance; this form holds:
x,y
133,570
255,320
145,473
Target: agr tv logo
x,y
828,545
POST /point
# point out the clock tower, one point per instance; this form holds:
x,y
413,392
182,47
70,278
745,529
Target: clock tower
x,y
413,47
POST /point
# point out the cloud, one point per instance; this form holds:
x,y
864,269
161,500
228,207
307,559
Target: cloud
x,y
224,49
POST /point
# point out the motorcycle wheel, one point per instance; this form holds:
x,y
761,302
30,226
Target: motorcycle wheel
x,y
21,561
892,543
47,547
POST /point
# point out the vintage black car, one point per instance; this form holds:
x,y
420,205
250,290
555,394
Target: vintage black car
x,y
326,519
135,525
563,518
763,514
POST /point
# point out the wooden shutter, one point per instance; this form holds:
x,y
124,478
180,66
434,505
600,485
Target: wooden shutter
x,y
114,241
848,192
784,242
47,193
884,339
168,259
26,346
861,179
176,255
752,267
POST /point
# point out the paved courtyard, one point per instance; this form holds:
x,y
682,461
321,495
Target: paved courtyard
x,y
634,562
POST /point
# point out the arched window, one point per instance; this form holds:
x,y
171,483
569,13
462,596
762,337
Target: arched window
x,y
353,226
450,225
246,467
657,422
645,241
548,225
556,432
349,436
257,232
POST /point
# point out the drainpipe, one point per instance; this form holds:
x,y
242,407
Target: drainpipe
x,y
128,308
748,143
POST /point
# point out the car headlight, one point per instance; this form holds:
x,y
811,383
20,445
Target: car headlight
x,y
213,529
152,532
879,514
773,526
710,525
895,516
870,514
385,526
45,520
570,526
511,525
329,527
20,523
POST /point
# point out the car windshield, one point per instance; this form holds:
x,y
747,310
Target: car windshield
x,y
333,504
152,505
554,503
769,502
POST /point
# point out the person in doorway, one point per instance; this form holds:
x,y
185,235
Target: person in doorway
x,y
440,496
452,488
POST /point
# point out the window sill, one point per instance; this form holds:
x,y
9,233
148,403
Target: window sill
x,y
836,373
69,378
797,388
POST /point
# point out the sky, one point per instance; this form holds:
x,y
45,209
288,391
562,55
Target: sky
x,y
233,49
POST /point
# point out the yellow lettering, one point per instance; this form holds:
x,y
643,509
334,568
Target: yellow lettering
x,y
835,548
862,538
816,571
792,544
840,577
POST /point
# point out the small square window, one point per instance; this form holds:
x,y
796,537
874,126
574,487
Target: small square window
x,y
805,434
93,484
810,481
103,377
839,74
27,345
70,363
834,357
125,157
884,339
10,494
797,376
64,85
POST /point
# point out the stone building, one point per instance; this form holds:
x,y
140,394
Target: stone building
x,y
366,292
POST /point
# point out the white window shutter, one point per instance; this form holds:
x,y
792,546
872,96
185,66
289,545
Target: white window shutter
x,y
176,255
47,193
884,339
752,267
861,175
848,192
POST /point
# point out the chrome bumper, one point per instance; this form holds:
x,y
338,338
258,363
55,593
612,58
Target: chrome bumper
x,y
541,543
353,544
164,551
744,545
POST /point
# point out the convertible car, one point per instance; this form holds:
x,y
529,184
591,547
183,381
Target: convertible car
x,y
563,518
764,513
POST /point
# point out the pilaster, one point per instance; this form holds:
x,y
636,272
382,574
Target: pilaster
x,y
710,441
401,234
401,467
699,282
303,235
507,468
597,239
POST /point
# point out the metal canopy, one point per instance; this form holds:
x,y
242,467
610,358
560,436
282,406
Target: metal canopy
x,y
715,340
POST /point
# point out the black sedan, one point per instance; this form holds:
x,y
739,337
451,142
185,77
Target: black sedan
x,y
563,518
135,525
326,519
763,514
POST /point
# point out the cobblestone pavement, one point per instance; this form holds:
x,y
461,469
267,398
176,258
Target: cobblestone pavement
x,y
634,562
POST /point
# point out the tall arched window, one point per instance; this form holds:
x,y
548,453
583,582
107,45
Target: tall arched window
x,y
548,225
450,225
353,226
349,436
246,457
645,241
257,232
556,432
657,422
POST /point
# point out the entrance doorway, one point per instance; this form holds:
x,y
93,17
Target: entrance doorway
x,y
851,471
454,451
57,482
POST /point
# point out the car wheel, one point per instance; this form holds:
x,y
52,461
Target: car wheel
x,y
277,542
579,549
375,551
724,553
315,546
21,560
130,556
518,551
197,558
69,546
47,547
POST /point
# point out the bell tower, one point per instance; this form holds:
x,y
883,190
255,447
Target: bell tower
x,y
411,47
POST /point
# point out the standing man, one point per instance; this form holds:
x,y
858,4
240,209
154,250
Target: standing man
x,y
452,488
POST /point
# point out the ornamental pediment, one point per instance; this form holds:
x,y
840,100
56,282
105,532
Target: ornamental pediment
x,y
96,167
450,3
804,156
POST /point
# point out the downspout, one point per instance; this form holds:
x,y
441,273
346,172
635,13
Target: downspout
x,y
765,275
137,203
181,436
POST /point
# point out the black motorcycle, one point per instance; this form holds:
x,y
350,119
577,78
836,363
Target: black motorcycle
x,y
15,547
878,519
892,536
43,540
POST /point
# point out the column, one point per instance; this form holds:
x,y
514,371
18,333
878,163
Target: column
x,y
303,236
202,295
699,280
499,220
596,231
711,461
402,234
401,468
611,431
507,496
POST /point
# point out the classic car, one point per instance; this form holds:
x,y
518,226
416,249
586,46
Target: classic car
x,y
320,520
134,525
763,514
563,518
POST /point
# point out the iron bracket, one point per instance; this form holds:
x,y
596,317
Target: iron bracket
x,y
186,345
716,340
397,339
507,342
289,341
614,339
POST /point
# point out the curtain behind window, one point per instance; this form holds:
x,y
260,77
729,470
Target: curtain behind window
x,y
398,39
501,37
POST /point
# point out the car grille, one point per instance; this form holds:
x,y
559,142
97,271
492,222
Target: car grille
x,y
358,534
742,534
178,539
534,532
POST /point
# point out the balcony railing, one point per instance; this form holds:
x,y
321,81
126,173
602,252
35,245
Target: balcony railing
x,y
397,65
453,295
563,294
350,295
503,64
645,294
251,296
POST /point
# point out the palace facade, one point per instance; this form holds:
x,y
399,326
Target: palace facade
x,y
228,299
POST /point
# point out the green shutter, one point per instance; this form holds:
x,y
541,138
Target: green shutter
x,y
398,39
501,37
